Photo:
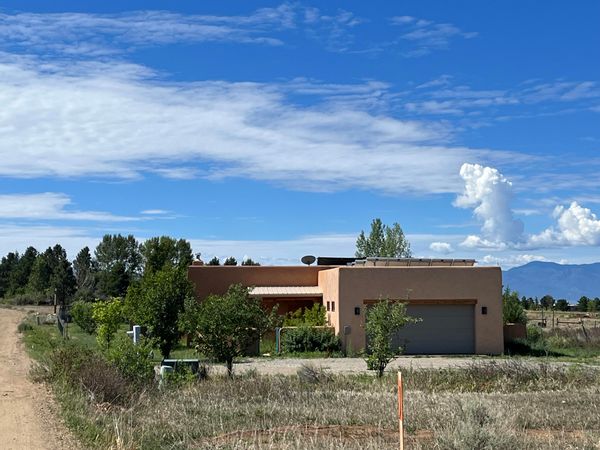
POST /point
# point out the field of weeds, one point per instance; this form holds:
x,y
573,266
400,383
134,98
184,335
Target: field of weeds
x,y
490,404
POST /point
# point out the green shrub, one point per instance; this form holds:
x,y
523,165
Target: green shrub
x,y
29,298
133,361
24,326
312,317
82,314
512,310
108,315
307,339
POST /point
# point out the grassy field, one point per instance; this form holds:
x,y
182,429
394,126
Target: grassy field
x,y
495,404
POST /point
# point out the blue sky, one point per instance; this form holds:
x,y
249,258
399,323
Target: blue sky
x,y
273,130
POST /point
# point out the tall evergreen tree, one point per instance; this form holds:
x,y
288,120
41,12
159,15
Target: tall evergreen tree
x,y
85,271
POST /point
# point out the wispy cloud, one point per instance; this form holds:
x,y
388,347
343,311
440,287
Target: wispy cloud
x,y
50,206
106,34
427,35
94,119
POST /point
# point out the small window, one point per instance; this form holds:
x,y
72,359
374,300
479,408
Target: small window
x,y
333,306
328,306
484,310
357,311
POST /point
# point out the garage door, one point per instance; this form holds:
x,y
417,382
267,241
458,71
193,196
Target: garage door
x,y
444,329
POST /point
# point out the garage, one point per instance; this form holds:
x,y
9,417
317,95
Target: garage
x,y
444,329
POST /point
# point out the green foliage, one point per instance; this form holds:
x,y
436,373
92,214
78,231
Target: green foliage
x,y
383,241
228,324
156,302
162,252
86,274
214,261
582,304
250,262
231,261
24,326
594,305
314,316
119,263
308,339
512,310
133,361
384,319
547,302
562,305
108,315
82,314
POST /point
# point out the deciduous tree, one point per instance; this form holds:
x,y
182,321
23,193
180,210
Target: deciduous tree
x,y
383,241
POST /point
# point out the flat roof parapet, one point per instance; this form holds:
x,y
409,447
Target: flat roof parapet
x,y
413,262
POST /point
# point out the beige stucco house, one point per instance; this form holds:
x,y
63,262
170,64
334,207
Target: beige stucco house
x,y
460,304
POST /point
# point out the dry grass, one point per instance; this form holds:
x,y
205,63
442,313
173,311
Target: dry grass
x,y
542,407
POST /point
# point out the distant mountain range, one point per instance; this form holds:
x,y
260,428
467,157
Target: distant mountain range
x,y
569,281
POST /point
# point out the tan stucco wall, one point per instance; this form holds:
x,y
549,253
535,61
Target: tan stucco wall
x,y
329,283
482,284
217,279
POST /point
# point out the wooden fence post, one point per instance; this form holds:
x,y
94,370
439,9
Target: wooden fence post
x,y
400,410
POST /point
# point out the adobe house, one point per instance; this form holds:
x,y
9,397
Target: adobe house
x,y
460,304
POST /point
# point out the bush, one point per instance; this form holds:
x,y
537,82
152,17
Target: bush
x,y
29,298
24,326
89,371
312,317
82,314
108,315
307,339
133,361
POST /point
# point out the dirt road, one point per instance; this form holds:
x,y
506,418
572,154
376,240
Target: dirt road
x,y
28,419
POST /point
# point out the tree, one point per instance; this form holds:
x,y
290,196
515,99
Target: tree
x,y
562,305
20,275
8,266
384,319
594,305
163,251
41,272
231,261
227,324
512,310
547,301
156,301
214,261
582,304
107,315
250,262
85,271
62,281
383,241
119,264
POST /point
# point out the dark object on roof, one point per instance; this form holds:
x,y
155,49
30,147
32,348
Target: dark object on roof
x,y
334,261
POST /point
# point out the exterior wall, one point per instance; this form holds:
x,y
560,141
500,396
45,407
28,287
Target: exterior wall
x,y
482,285
217,279
329,282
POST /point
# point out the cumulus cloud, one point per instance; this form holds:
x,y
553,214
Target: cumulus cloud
x,y
441,247
575,225
489,193
113,120
49,206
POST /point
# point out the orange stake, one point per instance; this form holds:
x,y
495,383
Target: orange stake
x,y
401,411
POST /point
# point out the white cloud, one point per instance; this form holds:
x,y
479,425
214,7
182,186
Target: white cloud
x,y
441,247
155,212
105,120
427,35
96,34
49,206
511,260
489,193
575,226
